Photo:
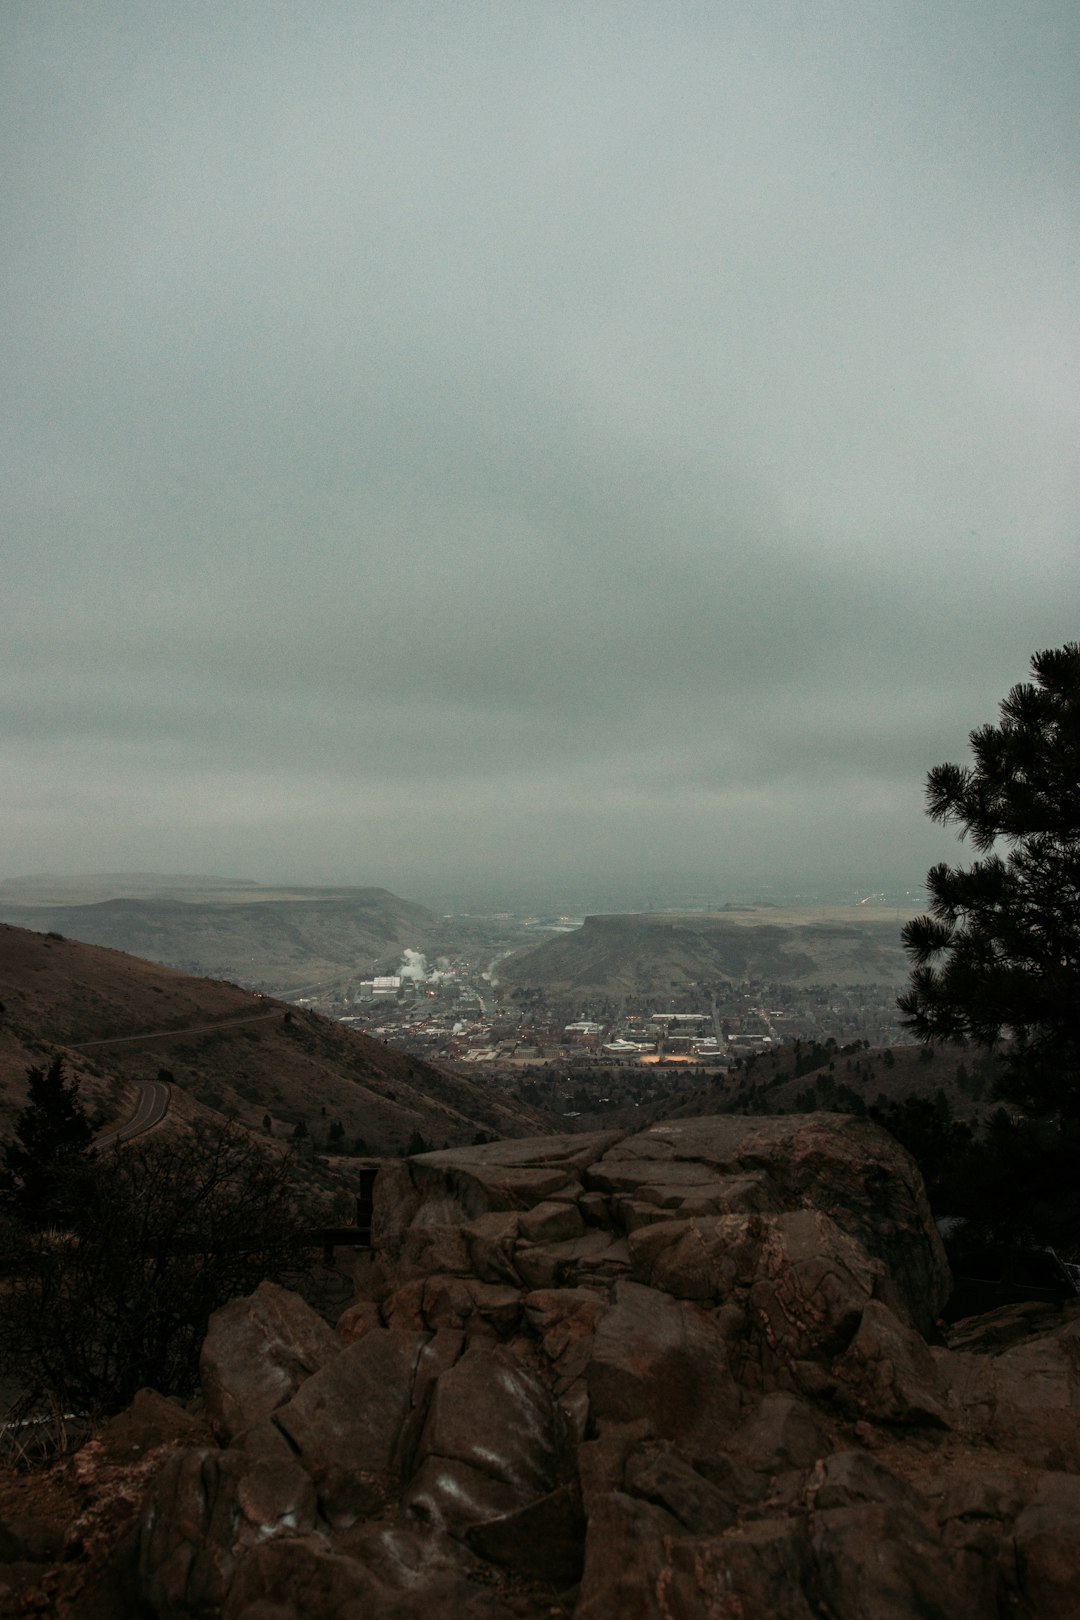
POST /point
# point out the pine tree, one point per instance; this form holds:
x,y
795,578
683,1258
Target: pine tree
x,y
43,1168
998,958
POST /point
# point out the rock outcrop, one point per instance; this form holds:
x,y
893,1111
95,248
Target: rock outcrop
x,y
687,1373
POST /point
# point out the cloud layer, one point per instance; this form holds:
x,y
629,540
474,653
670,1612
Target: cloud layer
x,y
476,448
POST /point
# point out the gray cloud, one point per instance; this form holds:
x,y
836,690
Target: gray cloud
x,y
542,446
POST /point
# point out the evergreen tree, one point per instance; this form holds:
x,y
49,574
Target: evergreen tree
x,y
168,1229
999,955
45,1165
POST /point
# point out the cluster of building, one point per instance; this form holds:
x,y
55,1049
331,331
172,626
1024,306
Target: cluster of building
x,y
453,1013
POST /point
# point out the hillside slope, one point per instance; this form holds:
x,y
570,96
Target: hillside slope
x,y
231,1050
806,1076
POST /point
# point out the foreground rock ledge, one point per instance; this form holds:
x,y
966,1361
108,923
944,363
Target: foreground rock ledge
x,y
683,1373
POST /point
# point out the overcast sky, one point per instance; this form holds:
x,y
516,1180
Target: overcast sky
x,y
590,449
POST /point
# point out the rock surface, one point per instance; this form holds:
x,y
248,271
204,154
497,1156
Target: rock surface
x,y
678,1374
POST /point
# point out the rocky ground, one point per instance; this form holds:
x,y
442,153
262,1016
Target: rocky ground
x,y
692,1372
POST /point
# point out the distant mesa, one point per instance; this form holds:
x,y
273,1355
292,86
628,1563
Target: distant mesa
x,y
656,953
266,937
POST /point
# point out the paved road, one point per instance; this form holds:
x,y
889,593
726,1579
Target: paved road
x,y
151,1110
167,1034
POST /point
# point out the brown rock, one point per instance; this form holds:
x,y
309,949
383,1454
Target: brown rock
x,y
1041,1371
893,1375
455,1496
455,1186
554,1265
301,1578
471,1306
1025,1398
997,1330
551,1223
151,1420
783,1433
543,1540
656,1472
357,1320
873,1560
812,1284
256,1354
976,1514
419,1570
437,1355
488,1412
852,1479
626,1561
1043,1563
205,1512
700,1259
427,1248
565,1320
804,1282
347,1423
848,1170
509,1410
492,1240
1041,1437
763,1569
663,1360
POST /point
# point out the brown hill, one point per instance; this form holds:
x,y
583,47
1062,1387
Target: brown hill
x,y
660,952
271,939
807,1076
120,1020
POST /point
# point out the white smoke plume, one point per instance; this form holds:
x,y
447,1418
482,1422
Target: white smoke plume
x,y
414,967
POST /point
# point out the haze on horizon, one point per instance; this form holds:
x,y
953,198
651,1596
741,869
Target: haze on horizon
x,y
477,449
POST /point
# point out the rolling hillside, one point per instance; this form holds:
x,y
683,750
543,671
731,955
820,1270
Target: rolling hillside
x,y
227,1049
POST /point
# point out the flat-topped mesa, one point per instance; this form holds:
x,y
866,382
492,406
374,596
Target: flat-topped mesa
x,y
571,1210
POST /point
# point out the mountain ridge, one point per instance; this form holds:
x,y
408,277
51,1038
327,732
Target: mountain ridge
x,y
255,935
651,952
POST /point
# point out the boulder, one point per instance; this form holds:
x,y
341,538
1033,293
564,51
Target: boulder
x,y
302,1577
626,1560
452,1187
1042,1561
348,1423
665,1362
455,1496
205,1512
886,1562
892,1373
848,1170
657,1473
784,1433
257,1352
488,1412
762,1569
660,1376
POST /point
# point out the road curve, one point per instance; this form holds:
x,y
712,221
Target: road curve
x,y
151,1110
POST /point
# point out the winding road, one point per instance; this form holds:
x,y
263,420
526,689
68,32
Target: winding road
x,y
154,1094
152,1107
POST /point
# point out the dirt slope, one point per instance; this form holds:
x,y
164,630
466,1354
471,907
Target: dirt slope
x,y
230,1049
